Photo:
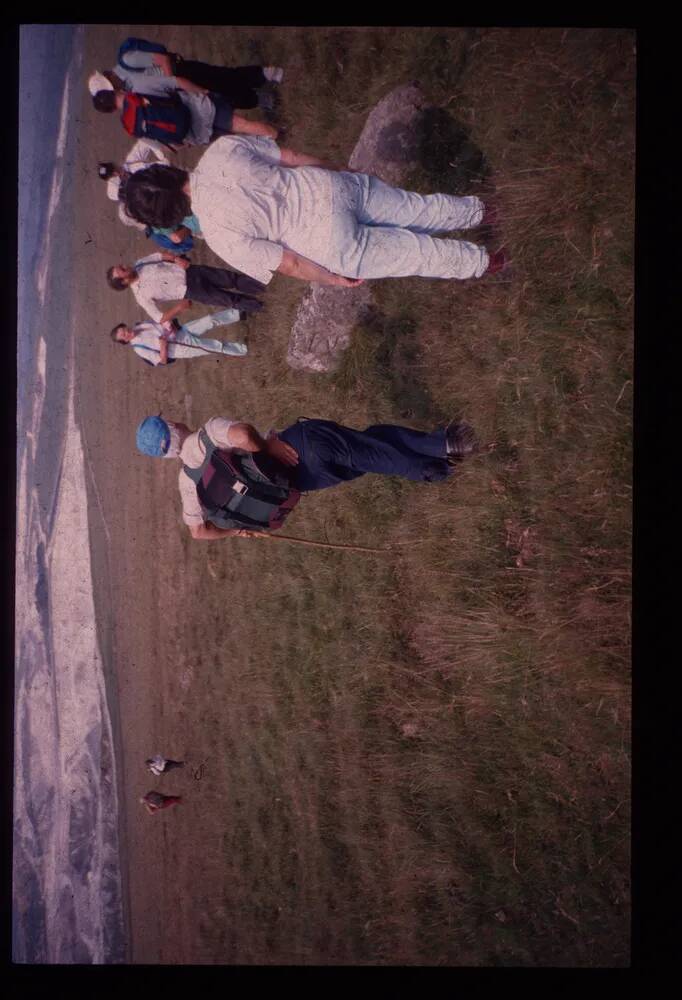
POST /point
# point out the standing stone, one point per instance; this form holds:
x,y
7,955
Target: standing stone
x,y
389,143
389,148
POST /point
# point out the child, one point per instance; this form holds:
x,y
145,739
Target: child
x,y
153,801
210,116
162,344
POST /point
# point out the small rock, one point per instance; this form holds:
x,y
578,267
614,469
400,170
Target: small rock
x,y
323,326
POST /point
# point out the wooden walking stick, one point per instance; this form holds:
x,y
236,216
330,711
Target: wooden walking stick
x,y
323,545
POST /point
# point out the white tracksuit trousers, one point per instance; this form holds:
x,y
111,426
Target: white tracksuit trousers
x,y
188,336
382,232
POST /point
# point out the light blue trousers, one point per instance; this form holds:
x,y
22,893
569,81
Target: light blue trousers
x,y
383,232
190,340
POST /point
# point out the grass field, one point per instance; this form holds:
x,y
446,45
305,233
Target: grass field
x,y
424,758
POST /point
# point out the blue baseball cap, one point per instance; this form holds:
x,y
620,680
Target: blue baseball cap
x,y
153,437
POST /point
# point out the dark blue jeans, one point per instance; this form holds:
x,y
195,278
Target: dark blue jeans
x,y
222,123
330,453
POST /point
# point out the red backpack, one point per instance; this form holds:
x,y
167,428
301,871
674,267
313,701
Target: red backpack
x,y
165,119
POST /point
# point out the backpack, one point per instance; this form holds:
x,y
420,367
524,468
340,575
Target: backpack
x,y
137,45
165,119
167,243
242,490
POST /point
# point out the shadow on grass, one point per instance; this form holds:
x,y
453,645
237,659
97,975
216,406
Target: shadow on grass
x,y
385,353
449,160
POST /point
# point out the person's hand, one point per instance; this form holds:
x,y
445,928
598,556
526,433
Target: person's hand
x,y
280,450
342,282
246,533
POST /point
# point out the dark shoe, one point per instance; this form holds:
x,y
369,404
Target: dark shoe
x,y
460,441
490,215
497,261
266,100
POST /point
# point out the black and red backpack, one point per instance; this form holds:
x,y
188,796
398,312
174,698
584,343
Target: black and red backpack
x,y
165,119
242,489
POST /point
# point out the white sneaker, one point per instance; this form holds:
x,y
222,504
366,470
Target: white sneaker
x,y
275,74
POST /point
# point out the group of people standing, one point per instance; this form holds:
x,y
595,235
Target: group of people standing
x,y
263,209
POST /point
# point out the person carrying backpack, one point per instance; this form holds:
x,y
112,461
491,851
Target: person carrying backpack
x,y
235,483
178,118
148,68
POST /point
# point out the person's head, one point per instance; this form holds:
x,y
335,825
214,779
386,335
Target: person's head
x,y
160,438
461,440
105,100
119,276
98,81
108,170
122,334
156,196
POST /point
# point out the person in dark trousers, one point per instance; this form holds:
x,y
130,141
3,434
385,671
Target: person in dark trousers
x,y
210,116
316,454
167,277
159,72
158,764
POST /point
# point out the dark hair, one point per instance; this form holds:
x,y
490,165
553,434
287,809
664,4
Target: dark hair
x,y
106,170
118,284
462,440
155,197
105,100
115,331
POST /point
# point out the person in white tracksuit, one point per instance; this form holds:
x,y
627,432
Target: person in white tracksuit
x,y
264,210
161,344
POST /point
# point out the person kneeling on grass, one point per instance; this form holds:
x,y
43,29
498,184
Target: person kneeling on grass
x,y
162,344
165,276
233,482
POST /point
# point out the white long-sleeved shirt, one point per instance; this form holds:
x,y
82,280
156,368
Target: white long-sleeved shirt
x,y
157,764
145,153
250,207
158,279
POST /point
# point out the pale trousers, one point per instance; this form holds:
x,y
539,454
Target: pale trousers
x,y
190,341
381,231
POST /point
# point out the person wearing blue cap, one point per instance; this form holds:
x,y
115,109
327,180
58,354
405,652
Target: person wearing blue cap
x,y
233,482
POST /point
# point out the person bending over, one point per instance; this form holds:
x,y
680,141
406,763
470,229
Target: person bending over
x,y
267,209
160,72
